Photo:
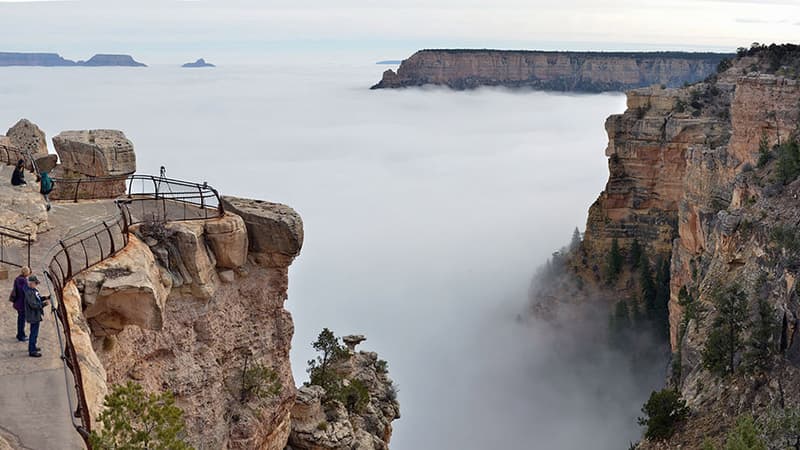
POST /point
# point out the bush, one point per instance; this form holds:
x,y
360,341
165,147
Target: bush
x,y
782,428
354,396
785,237
259,382
134,419
761,345
663,411
744,436
724,341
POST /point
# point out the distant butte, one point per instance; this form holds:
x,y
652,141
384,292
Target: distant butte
x,y
199,63
55,60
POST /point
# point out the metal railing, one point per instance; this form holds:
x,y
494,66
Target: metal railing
x,y
10,156
73,254
9,235
167,200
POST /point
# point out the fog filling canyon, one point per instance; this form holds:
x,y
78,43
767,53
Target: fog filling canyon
x,y
426,214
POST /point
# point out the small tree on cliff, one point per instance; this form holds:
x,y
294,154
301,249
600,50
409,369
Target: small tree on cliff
x,y
663,411
661,319
635,254
319,370
761,345
725,339
134,419
613,262
575,243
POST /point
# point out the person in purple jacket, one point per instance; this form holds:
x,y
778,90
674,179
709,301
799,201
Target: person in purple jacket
x,y
18,295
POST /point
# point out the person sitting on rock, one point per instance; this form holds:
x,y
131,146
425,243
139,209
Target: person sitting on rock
x,y
18,298
18,177
46,187
34,313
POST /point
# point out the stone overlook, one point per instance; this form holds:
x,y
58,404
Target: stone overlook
x,y
552,71
183,307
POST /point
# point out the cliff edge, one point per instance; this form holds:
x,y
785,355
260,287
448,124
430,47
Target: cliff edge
x,y
551,71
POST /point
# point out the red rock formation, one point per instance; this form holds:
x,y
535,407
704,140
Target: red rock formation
x,y
559,71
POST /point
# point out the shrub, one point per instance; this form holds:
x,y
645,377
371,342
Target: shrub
x,y
724,340
663,411
785,237
134,419
782,428
354,396
744,436
259,382
381,366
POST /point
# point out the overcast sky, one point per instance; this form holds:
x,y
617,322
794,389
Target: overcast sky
x,y
240,30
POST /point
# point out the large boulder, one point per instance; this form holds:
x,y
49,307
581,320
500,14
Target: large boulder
x,y
128,289
95,153
274,231
26,135
227,237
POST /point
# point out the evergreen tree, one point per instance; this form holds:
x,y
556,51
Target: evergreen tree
x,y
319,370
661,319
761,345
619,325
648,289
575,244
788,162
663,411
745,436
635,254
133,419
614,262
763,150
725,340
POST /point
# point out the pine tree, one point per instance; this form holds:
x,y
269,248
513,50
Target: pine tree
x,y
745,436
614,262
319,369
661,319
635,254
761,344
725,340
648,289
575,244
134,419
788,162
619,325
763,150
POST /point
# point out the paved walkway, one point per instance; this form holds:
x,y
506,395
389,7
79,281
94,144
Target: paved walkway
x,y
34,410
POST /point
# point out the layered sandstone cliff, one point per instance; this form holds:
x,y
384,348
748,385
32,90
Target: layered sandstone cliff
x,y
557,71
185,308
698,175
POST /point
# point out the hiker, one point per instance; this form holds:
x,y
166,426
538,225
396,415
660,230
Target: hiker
x,y
34,312
46,187
18,299
18,177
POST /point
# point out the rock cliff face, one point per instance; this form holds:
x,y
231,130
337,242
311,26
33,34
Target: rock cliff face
x,y
705,176
557,71
181,309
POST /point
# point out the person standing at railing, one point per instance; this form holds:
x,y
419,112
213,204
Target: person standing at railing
x,y
18,177
34,312
18,298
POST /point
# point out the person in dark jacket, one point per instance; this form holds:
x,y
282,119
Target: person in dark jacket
x,y
34,313
18,177
46,187
18,297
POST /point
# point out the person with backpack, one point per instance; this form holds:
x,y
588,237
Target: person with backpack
x,y
34,313
18,299
46,187
18,177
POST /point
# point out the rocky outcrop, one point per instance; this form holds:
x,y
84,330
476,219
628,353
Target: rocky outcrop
x,y
698,175
325,424
557,71
172,322
27,136
22,207
274,231
95,153
199,63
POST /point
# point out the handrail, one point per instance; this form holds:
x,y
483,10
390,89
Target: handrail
x,y
14,235
6,157
105,238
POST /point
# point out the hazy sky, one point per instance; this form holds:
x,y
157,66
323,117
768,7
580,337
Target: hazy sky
x,y
240,30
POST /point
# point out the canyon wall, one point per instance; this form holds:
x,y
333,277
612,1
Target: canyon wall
x,y
555,71
705,177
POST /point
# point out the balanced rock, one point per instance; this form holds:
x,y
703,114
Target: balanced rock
x,y
352,340
274,231
25,135
96,153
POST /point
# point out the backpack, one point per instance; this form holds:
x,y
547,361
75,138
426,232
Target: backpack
x,y
47,183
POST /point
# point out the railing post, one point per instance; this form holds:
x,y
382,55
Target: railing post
x,y
69,260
